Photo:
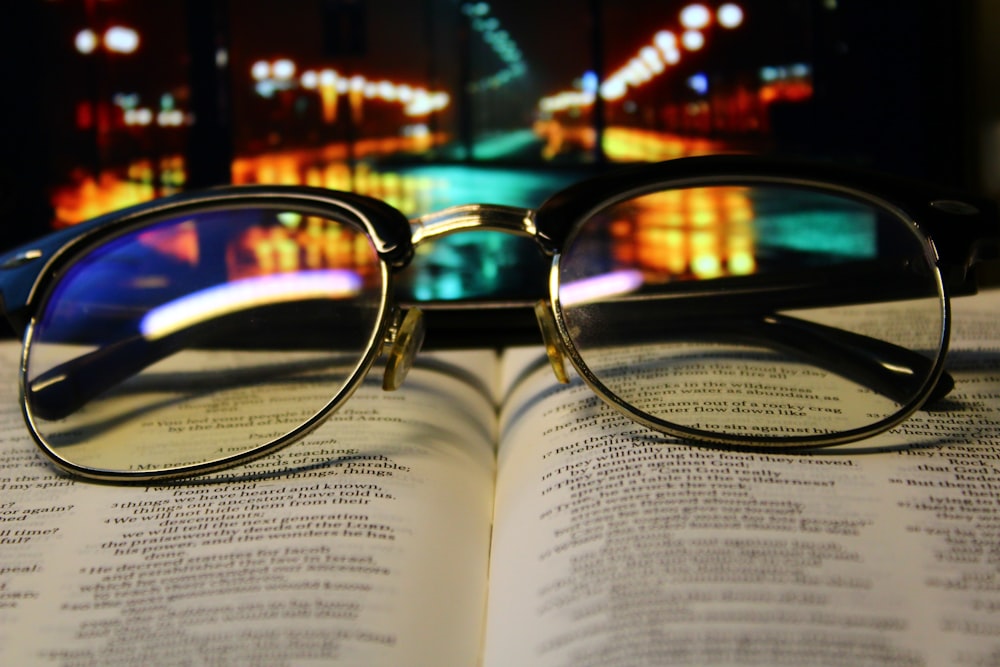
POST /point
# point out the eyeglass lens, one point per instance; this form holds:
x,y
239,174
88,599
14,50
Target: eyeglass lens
x,y
220,329
722,309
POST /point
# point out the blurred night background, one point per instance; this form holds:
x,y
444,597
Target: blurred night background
x,y
426,103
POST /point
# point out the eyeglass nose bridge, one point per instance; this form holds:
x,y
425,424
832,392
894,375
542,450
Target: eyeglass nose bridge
x,y
479,217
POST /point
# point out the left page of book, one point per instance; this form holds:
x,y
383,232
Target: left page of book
x,y
367,543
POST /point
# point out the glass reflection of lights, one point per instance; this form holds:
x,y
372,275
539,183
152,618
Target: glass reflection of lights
x,y
615,283
788,83
245,294
297,244
680,234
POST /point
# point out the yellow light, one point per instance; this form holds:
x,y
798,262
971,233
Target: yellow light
x,y
676,251
288,255
742,263
704,217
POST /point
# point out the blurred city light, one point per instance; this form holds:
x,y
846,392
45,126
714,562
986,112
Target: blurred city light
x,y
86,41
698,83
116,39
651,60
730,15
500,42
693,40
119,39
283,69
695,17
260,70
270,77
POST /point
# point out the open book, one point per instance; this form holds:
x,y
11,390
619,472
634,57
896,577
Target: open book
x,y
484,514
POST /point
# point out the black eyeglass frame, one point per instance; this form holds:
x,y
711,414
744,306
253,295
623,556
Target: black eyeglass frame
x,y
960,232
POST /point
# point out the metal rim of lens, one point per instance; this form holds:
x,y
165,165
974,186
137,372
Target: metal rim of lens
x,y
762,442
350,384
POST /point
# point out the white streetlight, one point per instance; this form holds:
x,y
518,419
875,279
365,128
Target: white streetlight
x,y
119,39
260,70
86,41
692,40
730,15
695,17
284,69
309,80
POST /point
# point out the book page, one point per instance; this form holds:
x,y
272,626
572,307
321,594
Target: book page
x,y
613,545
367,543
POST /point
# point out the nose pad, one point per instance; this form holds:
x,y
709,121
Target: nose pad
x,y
405,345
550,334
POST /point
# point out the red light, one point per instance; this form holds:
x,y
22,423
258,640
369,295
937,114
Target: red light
x,y
84,116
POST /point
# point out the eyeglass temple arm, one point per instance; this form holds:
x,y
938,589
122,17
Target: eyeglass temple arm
x,y
883,367
67,387
64,389
886,368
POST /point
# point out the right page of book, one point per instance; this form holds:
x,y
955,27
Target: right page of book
x,y
614,546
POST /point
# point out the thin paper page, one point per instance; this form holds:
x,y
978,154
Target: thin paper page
x,y
614,546
365,544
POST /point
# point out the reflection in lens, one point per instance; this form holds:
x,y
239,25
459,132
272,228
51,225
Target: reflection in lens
x,y
200,338
761,311
605,286
246,294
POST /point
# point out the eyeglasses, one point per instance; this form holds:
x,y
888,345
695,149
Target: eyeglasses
x,y
728,300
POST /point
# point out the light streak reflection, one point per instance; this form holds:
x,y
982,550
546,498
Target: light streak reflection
x,y
245,294
596,288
